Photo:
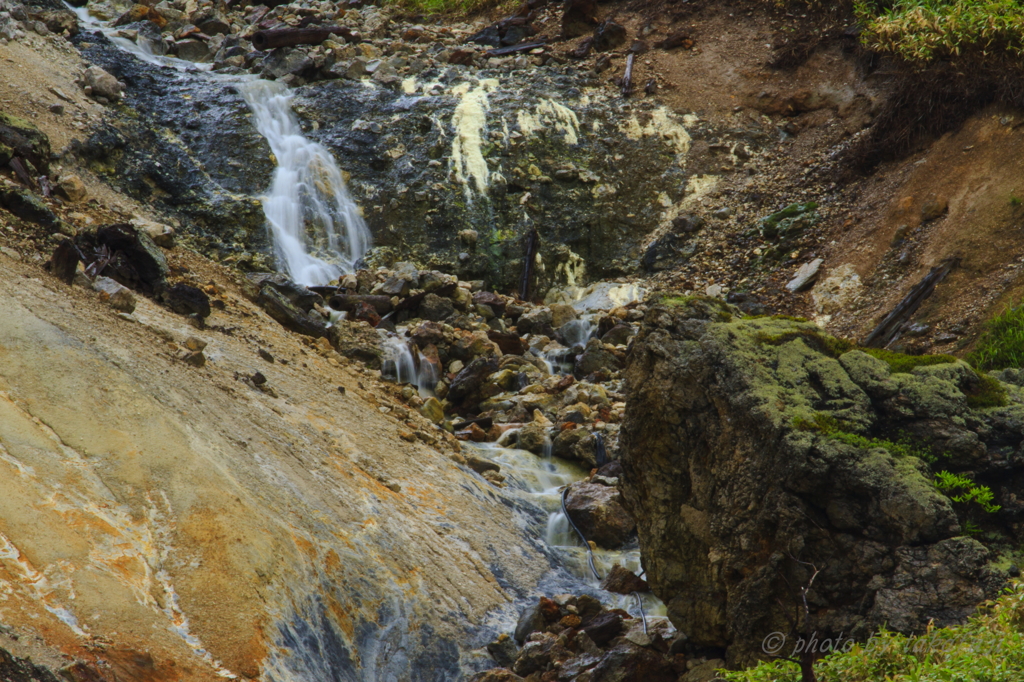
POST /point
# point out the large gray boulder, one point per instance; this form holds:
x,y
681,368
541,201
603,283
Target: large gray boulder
x,y
759,451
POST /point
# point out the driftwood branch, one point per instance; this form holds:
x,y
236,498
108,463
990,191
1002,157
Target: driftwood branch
x,y
627,79
287,37
888,330
513,49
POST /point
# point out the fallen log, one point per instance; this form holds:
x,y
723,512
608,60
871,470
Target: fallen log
x,y
627,79
287,37
513,49
888,329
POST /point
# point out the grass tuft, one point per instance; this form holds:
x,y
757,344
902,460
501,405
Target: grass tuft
x,y
1002,343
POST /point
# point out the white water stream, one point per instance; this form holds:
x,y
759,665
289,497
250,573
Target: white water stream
x,y
318,230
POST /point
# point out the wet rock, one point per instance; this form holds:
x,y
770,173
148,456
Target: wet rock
x,y
436,308
539,654
21,138
493,301
357,340
619,335
577,445
350,302
481,465
432,410
561,314
598,512
292,317
469,346
465,387
503,650
193,50
623,581
185,299
286,60
609,36
537,321
532,437
595,359
603,627
98,83
118,296
626,662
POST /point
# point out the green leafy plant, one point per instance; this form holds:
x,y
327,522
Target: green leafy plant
x,y
1002,343
949,484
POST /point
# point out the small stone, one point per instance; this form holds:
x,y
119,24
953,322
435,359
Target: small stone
x,y
195,343
433,410
71,187
119,297
805,276
196,359
267,356
258,378
99,83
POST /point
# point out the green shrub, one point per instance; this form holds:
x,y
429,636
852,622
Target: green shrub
x,y
1002,343
988,648
988,393
928,30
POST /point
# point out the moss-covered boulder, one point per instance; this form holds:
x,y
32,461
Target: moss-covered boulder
x,y
21,138
759,454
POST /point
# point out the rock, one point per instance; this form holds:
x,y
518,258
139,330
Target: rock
x,y
29,207
608,295
290,315
465,387
351,302
196,359
603,627
687,223
185,299
704,672
194,343
532,437
357,340
493,301
713,468
503,650
71,187
299,296
576,444
436,308
619,335
137,262
481,465
496,675
64,261
805,276
432,410
623,581
469,346
162,235
598,512
668,251
561,314
509,343
21,138
427,333
595,359
118,296
193,50
578,18
539,654
838,291
627,662
286,60
537,321
609,36
99,83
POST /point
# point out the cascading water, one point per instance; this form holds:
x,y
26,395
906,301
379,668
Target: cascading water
x,y
404,363
317,228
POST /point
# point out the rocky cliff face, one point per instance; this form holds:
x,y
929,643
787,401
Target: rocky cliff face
x,y
757,452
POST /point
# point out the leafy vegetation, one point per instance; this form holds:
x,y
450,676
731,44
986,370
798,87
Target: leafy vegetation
x,y
926,30
969,493
1002,343
988,648
902,363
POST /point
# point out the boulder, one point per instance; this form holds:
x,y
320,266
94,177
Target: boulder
x,y
99,83
357,340
427,333
28,207
561,314
576,444
537,321
436,308
619,335
290,315
598,512
595,359
754,452
21,138
185,299
465,387
532,437
301,297
136,261
118,296
609,36
496,675
623,581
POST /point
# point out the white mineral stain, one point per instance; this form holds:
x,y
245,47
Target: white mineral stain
x,y
664,125
469,121
550,114
409,85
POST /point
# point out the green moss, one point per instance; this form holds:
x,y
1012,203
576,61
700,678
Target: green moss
x,y
828,425
720,309
814,338
899,362
988,393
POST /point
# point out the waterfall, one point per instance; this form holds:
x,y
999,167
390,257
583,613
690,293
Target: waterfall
x,y
317,230
404,363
